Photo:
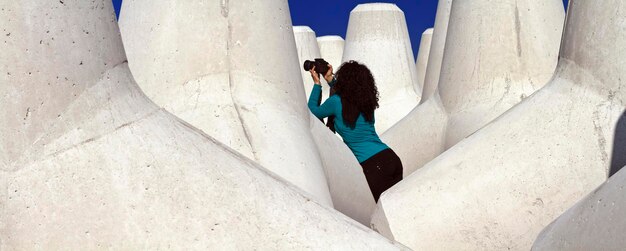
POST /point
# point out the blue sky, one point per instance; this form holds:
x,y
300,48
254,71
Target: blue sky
x,y
330,17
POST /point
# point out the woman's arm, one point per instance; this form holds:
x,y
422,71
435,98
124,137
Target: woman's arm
x,y
326,109
329,106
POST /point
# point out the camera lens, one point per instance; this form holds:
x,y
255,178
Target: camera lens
x,y
308,65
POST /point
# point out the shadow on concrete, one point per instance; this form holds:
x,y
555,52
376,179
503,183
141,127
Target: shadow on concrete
x,y
618,158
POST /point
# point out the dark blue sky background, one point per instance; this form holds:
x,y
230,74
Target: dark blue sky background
x,y
332,17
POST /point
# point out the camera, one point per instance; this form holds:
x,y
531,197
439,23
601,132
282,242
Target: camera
x,y
321,66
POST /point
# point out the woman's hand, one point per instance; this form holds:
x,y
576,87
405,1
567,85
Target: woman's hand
x,y
329,74
315,76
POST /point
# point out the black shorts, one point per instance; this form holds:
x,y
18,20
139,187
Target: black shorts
x,y
382,171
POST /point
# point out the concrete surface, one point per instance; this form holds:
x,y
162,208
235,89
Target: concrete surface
x,y
498,188
597,222
491,63
438,44
421,62
420,136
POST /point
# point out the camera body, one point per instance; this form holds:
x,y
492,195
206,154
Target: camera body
x,y
321,66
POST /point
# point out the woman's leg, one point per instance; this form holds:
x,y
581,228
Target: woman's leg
x,y
382,171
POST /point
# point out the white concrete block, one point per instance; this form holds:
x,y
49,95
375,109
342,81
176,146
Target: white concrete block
x,y
597,222
88,162
422,58
438,43
231,71
377,36
499,187
492,63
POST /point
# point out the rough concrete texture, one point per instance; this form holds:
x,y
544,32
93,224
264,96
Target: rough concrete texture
x,y
422,58
232,72
491,63
377,36
88,162
499,187
597,222
419,137
438,43
331,48
306,44
347,184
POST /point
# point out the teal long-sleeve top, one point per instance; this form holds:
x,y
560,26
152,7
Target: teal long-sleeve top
x,y
362,140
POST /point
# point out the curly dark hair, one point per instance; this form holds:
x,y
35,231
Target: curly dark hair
x,y
357,89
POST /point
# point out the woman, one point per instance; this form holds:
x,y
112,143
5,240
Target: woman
x,y
353,105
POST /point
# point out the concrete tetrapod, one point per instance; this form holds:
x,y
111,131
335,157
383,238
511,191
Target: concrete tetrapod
x,y
347,183
499,187
490,67
422,58
331,49
377,36
597,222
232,72
438,43
306,44
492,62
88,162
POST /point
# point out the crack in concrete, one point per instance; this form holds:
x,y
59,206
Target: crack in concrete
x,y
517,31
231,84
601,139
56,153
4,195
27,113
198,92
507,89
225,8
